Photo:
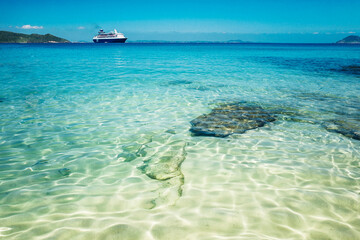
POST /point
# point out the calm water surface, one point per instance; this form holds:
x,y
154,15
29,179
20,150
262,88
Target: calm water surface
x,y
95,142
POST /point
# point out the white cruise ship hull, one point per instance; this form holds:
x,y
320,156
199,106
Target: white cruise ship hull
x,y
109,40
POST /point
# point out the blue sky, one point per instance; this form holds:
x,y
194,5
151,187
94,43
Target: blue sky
x,y
191,20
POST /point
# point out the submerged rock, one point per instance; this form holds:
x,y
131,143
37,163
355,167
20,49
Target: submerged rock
x,y
41,164
200,88
131,151
42,161
164,165
347,127
352,69
349,69
179,82
64,171
231,118
171,131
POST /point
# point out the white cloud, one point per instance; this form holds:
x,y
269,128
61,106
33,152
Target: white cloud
x,y
30,27
351,32
315,33
81,27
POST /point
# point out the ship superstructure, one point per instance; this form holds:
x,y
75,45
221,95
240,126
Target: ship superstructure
x,y
111,37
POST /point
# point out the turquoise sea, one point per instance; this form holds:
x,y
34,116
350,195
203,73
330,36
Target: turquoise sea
x,y
95,142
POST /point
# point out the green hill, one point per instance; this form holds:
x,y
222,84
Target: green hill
x,y
350,40
11,37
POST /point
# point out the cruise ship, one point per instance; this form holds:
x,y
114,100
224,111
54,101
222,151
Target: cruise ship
x,y
111,37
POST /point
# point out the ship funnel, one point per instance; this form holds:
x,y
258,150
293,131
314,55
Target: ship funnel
x,y
115,31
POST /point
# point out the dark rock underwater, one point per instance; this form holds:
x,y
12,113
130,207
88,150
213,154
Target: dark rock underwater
x,y
230,118
237,118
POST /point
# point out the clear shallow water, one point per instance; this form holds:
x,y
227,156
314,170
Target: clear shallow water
x,y
95,142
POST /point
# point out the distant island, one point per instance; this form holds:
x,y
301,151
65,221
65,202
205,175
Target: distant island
x,y
11,37
350,40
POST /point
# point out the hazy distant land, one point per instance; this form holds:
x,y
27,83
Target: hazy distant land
x,y
350,40
11,37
